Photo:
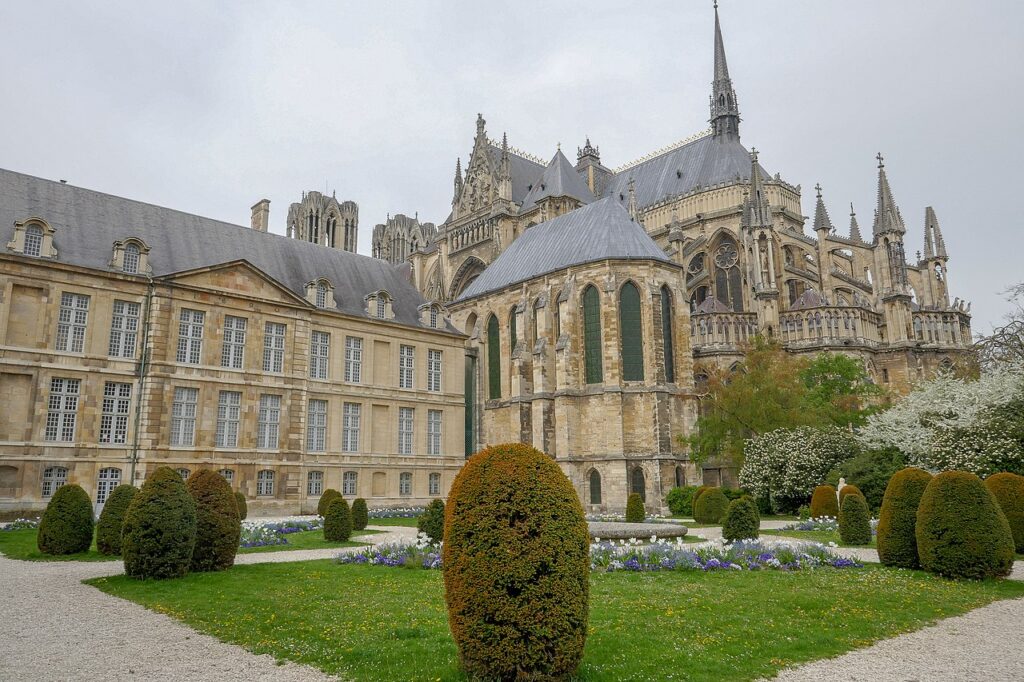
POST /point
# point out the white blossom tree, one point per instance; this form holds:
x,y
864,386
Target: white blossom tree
x,y
787,464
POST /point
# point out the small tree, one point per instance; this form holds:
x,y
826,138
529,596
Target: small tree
x,y
431,521
159,531
897,521
710,506
742,520
855,521
360,514
326,498
218,527
635,512
108,528
67,525
824,502
338,521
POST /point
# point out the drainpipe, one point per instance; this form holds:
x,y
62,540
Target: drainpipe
x,y
142,370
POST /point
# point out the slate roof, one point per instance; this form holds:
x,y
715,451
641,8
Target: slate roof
x,y
559,179
524,172
87,223
595,232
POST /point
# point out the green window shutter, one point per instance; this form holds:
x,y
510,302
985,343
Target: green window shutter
x,y
631,333
493,359
592,336
666,335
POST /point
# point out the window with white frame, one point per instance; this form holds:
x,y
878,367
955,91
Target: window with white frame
x,y
434,371
232,354
433,317
320,348
33,240
109,478
348,483
229,410
71,322
184,473
130,258
381,306
228,475
350,427
273,347
53,478
353,359
190,336
434,420
117,398
405,483
435,485
406,366
316,426
265,483
315,483
321,295
124,329
268,422
405,430
183,416
62,409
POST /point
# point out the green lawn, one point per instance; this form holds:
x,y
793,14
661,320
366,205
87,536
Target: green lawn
x,y
825,536
310,539
396,521
371,623
21,544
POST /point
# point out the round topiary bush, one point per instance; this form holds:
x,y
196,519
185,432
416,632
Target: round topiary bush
x,y
635,512
897,521
108,528
961,531
159,531
742,520
431,521
338,521
696,495
67,525
824,502
855,521
218,528
521,612
243,507
849,489
1009,493
361,515
326,498
710,506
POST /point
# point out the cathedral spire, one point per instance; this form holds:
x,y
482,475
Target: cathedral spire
x,y
458,176
757,213
725,112
932,231
854,227
887,214
821,219
929,247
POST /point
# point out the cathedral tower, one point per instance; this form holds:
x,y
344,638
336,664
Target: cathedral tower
x,y
725,110
324,220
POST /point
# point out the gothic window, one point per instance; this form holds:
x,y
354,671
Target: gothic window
x,y
493,359
695,268
513,337
637,484
631,333
592,335
666,335
130,259
535,323
728,287
680,477
698,297
595,487
33,240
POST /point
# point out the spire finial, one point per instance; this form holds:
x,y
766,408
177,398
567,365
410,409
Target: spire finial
x,y
558,146
817,188
725,113
881,160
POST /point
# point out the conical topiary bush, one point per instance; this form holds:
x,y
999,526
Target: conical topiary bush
x,y
1009,492
326,498
824,503
742,520
855,521
338,521
159,531
897,521
218,527
108,528
360,514
710,506
67,524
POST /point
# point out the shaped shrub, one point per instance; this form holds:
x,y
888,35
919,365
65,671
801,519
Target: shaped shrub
x,y
897,521
218,527
855,521
159,531
1009,493
431,521
66,526
696,495
680,500
326,498
710,506
516,566
337,521
243,507
824,502
961,531
635,512
108,528
361,515
742,520
849,490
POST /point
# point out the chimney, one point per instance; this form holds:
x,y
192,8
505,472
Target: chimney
x,y
261,215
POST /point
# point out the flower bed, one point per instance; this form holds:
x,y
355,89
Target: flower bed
x,y
256,534
422,554
21,524
828,523
396,512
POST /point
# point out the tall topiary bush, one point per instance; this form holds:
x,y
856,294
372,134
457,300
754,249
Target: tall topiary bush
x,y
519,613
855,521
849,490
240,503
159,531
67,525
824,502
337,521
431,521
961,531
710,506
360,514
635,509
218,527
326,498
1009,493
742,520
108,528
897,521
696,495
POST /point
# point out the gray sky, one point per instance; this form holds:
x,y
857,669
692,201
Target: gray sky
x,y
207,107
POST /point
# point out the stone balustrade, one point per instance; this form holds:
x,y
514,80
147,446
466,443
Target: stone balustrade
x,y
830,325
942,328
714,331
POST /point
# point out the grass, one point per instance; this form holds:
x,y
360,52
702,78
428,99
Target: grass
x,y
825,536
309,539
396,521
369,623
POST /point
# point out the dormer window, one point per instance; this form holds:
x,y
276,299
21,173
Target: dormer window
x,y
33,240
321,294
131,256
432,315
33,237
378,304
381,307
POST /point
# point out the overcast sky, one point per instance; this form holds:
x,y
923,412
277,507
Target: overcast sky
x,y
207,107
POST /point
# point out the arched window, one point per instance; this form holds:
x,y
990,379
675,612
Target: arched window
x,y
33,240
728,287
228,475
381,307
184,473
680,477
321,295
265,483
493,359
637,484
592,335
109,479
130,259
405,483
348,483
595,487
53,478
535,323
314,483
668,345
512,336
631,333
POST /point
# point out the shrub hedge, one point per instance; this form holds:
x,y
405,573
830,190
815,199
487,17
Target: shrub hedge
x,y
519,613
242,505
108,528
849,489
431,521
742,520
326,498
855,521
961,531
824,502
897,521
360,514
218,527
67,525
338,521
680,500
1009,493
159,530
635,512
710,506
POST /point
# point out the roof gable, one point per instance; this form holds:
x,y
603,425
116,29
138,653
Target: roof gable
x,y
237,277
559,179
